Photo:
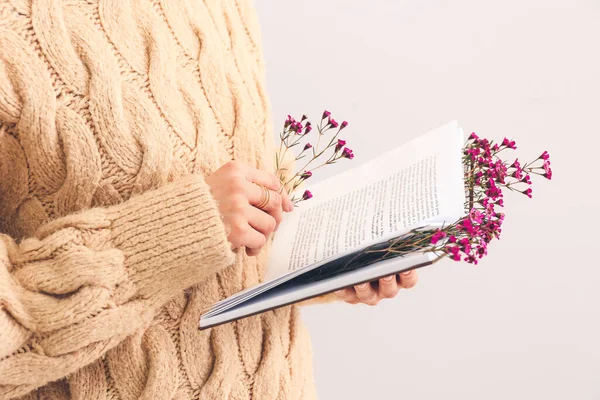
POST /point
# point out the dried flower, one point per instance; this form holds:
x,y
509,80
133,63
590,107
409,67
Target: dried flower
x,y
509,144
344,124
307,195
307,146
333,123
437,236
326,114
347,153
340,144
306,175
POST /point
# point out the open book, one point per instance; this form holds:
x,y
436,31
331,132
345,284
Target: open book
x,y
315,249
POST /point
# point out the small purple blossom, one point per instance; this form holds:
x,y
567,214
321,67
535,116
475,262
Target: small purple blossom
x,y
544,156
509,143
344,124
307,195
306,175
307,146
438,236
333,123
340,144
347,153
326,114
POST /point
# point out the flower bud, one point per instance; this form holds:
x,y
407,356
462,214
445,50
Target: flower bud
x,y
347,153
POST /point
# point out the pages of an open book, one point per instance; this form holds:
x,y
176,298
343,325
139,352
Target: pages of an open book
x,y
417,184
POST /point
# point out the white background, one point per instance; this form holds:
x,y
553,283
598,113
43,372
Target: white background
x,y
525,323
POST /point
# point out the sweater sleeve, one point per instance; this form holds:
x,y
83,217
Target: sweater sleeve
x,y
88,280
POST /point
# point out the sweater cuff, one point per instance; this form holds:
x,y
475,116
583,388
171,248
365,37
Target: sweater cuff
x,y
172,238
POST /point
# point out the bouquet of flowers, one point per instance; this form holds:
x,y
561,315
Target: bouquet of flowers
x,y
487,176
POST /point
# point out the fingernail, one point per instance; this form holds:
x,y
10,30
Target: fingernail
x,y
362,286
406,272
388,278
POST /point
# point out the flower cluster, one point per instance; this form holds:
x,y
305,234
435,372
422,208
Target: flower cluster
x,y
486,176
295,133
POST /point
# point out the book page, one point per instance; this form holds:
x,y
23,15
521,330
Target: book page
x,y
416,184
367,214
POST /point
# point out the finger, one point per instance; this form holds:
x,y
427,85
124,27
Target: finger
x,y
270,181
261,221
389,287
286,201
408,279
256,195
348,295
242,234
274,206
366,294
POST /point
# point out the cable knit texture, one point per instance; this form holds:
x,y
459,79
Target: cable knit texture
x,y
112,112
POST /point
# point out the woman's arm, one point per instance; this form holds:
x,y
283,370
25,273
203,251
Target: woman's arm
x,y
87,281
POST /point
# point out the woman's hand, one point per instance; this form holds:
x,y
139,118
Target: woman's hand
x,y
235,187
385,288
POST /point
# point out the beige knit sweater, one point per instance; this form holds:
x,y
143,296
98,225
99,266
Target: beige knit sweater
x,y
111,114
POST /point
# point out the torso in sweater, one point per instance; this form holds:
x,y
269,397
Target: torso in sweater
x,y
101,103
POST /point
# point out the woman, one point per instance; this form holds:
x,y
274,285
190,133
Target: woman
x,y
131,134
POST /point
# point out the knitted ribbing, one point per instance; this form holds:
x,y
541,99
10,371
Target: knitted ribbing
x,y
112,112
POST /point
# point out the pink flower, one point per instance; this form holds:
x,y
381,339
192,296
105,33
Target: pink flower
x,y
473,136
307,195
340,143
453,251
494,191
296,127
307,129
527,192
344,124
333,123
476,216
509,143
526,179
347,153
326,114
303,117
307,146
548,174
289,121
471,259
306,175
452,239
544,156
437,236
518,174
